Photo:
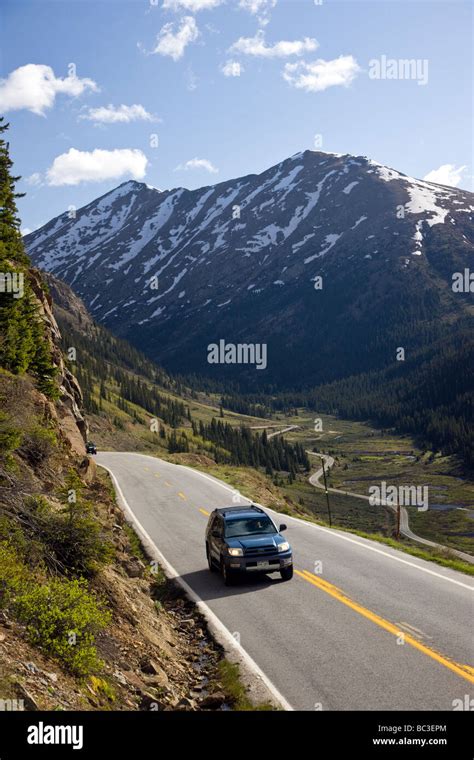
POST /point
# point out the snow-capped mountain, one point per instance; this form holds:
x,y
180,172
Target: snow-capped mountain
x,y
178,269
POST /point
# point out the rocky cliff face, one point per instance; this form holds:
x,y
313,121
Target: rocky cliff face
x,y
67,306
68,411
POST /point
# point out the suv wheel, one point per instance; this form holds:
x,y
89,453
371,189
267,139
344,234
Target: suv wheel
x,y
212,567
226,574
287,573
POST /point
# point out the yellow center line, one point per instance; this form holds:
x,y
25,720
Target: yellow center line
x,y
182,496
204,512
157,475
465,671
168,484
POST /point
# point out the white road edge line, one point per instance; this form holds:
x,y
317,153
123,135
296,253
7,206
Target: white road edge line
x,y
216,626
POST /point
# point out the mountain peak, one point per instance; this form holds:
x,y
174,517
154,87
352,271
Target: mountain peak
x,y
248,252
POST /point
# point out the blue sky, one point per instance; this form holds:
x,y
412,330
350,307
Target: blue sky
x,y
166,71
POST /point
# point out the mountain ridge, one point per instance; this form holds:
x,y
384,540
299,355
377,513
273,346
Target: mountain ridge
x,y
246,254
296,155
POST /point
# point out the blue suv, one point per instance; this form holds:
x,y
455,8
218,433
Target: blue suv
x,y
246,540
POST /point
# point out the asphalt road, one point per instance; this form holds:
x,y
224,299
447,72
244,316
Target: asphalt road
x,y
360,627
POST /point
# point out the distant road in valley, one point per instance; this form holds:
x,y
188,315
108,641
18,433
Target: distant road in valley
x,y
315,480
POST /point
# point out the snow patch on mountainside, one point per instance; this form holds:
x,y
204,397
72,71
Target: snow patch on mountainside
x,y
356,224
287,183
350,187
269,234
329,241
425,197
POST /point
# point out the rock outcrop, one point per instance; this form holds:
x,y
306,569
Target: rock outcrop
x,y
68,411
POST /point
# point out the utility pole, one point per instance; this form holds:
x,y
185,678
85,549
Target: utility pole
x,y
327,492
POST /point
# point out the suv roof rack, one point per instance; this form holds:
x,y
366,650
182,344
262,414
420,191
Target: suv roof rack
x,y
241,508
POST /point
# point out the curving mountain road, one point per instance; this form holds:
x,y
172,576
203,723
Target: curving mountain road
x,y
315,480
360,627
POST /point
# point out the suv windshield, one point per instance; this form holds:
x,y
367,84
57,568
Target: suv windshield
x,y
249,526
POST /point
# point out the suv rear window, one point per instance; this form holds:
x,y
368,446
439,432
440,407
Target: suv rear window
x,y
248,526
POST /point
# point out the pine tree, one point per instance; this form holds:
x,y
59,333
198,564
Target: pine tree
x,y
11,244
24,346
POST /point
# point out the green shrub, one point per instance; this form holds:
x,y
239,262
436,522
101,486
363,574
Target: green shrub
x,y
69,541
12,534
10,436
29,549
75,535
77,541
234,689
38,504
63,618
102,688
38,444
13,574
135,543
73,487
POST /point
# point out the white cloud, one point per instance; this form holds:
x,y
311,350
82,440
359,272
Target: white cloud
x,y
118,114
198,163
232,69
97,165
25,231
319,75
191,5
259,8
34,87
447,174
257,46
174,44
34,179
